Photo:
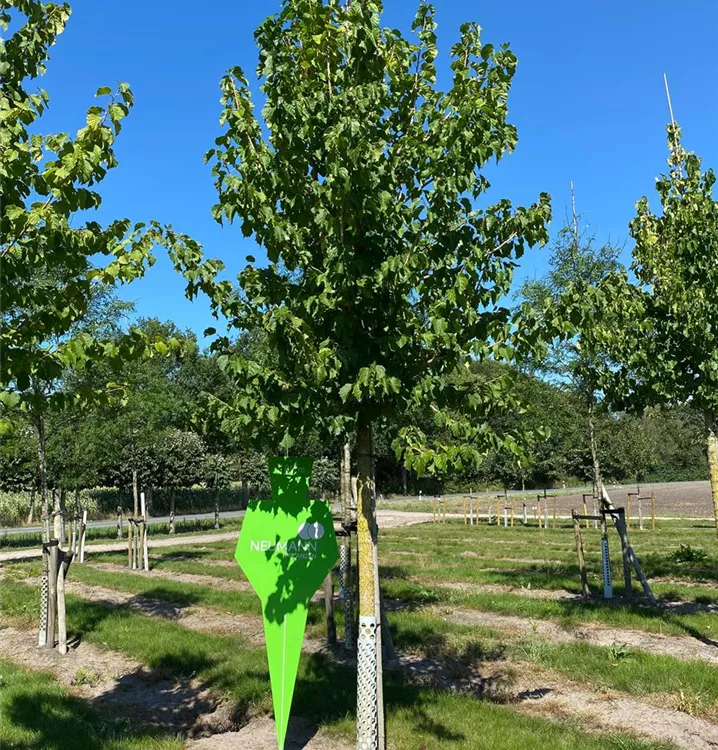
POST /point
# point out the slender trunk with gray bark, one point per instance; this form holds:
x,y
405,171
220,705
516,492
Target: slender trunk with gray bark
x,y
135,494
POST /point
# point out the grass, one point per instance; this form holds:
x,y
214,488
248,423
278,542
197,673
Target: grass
x,y
36,713
420,716
417,716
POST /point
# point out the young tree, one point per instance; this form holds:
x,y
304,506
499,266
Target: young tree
x,y
49,273
571,359
384,275
666,343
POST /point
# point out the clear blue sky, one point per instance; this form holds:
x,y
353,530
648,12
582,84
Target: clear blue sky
x,y
588,102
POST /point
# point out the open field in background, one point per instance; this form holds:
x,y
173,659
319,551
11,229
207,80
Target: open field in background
x,y
682,499
487,621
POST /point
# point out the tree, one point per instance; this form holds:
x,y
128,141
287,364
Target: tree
x,y
50,279
571,358
665,346
384,276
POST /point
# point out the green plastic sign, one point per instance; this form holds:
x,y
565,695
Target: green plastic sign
x,y
286,548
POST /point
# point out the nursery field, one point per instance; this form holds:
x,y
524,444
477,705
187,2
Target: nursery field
x,y
495,649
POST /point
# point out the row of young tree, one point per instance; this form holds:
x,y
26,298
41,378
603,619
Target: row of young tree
x,y
383,296
159,436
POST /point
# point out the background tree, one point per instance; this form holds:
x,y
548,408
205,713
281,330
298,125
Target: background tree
x,y
384,276
572,358
662,332
49,259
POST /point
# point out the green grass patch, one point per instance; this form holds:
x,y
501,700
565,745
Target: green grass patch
x,y
36,713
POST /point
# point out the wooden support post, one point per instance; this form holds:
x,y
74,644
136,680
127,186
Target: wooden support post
x,y
61,615
329,609
119,522
54,552
640,513
144,550
506,517
443,508
625,554
653,511
130,542
554,511
526,520
463,505
512,513
433,509
83,530
585,511
579,551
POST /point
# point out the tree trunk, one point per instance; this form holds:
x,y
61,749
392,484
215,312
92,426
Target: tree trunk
x,y
712,449
597,482
346,550
135,494
42,470
367,677
57,516
32,505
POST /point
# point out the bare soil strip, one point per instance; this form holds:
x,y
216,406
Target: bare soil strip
x,y
119,686
33,552
542,694
679,647
225,584
261,734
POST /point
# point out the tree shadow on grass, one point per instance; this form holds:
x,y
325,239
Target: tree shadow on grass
x,y
57,721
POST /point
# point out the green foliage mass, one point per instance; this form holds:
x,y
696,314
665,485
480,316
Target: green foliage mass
x,y
362,182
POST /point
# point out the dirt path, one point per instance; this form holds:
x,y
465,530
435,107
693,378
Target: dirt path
x,y
542,694
203,619
597,635
260,734
117,685
33,552
225,584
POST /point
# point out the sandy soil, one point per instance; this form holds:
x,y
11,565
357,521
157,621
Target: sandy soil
x,y
224,584
120,686
542,694
260,734
679,647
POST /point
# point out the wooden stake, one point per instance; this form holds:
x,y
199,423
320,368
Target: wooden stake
x,y
83,529
579,551
433,509
145,556
61,616
130,547
512,514
54,552
329,609
625,555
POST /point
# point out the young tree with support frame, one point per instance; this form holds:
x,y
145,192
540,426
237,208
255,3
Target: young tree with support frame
x,y
384,276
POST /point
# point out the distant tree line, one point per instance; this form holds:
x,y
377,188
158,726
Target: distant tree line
x,y
159,432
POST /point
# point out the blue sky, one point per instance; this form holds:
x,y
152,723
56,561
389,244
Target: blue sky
x,y
588,101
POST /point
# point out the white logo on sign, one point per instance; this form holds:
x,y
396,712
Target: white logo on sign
x,y
311,531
